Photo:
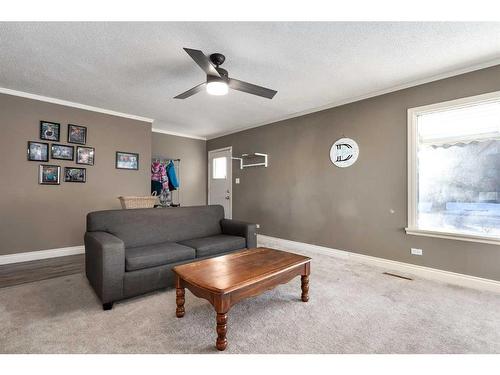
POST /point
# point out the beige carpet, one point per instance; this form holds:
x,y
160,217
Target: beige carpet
x,y
353,308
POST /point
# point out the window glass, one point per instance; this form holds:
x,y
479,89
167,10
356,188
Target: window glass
x,y
458,170
219,168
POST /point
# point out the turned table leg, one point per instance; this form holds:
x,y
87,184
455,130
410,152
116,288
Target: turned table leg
x,y
179,299
304,284
221,331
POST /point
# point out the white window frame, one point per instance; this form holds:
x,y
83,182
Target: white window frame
x,y
413,113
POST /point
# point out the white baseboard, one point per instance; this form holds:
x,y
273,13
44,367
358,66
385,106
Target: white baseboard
x,y
42,254
279,243
421,271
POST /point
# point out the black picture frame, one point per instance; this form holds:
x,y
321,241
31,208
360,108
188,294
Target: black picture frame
x,y
45,179
80,159
50,131
73,137
32,151
55,146
69,175
119,164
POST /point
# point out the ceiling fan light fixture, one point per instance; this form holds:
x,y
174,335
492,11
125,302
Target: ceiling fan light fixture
x,y
217,88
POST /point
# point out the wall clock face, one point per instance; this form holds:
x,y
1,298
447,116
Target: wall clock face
x,y
344,152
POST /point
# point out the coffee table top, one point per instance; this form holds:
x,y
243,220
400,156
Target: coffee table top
x,y
227,273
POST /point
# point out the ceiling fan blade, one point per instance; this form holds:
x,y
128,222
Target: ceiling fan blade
x,y
191,92
202,61
251,89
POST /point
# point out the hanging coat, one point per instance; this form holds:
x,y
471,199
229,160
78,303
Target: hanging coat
x,y
159,179
155,171
173,183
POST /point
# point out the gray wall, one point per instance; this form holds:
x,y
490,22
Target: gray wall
x,y
36,217
301,196
193,165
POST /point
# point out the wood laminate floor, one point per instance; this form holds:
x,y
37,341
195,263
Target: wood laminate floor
x,y
27,272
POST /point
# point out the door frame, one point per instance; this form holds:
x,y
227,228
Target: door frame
x,y
229,175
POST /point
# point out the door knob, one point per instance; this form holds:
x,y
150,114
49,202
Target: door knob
x,y
227,197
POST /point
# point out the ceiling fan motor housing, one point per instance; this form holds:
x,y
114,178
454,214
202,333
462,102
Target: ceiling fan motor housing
x,y
217,59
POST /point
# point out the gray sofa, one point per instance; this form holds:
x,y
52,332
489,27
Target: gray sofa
x,y
131,252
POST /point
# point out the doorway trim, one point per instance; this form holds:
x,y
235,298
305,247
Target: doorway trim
x,y
230,174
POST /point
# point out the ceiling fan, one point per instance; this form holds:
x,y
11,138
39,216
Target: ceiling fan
x,y
218,81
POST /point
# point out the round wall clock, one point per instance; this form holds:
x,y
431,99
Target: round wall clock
x,y
344,152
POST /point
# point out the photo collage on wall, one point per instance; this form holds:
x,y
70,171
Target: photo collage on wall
x,y
43,151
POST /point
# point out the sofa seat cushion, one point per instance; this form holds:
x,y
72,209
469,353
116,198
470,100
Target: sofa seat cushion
x,y
137,258
220,243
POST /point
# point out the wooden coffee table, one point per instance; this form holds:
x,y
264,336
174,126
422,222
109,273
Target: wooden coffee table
x,y
227,279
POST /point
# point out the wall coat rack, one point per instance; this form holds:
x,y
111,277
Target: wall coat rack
x,y
254,155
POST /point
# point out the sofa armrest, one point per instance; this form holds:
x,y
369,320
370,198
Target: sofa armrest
x,y
105,265
240,228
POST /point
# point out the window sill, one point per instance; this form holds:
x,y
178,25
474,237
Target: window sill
x,y
453,236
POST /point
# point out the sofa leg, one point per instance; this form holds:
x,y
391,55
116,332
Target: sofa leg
x,y
107,306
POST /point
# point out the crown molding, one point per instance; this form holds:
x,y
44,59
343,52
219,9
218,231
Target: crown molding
x,y
403,86
156,130
67,103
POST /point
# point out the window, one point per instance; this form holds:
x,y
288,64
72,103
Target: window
x,y
454,169
219,168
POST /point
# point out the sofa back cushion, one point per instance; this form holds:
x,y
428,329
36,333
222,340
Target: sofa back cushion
x,y
149,226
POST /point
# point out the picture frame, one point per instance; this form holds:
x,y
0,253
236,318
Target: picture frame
x,y
127,160
38,151
74,174
85,155
49,174
50,131
62,152
77,134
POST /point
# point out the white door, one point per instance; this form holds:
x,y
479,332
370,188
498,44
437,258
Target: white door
x,y
220,179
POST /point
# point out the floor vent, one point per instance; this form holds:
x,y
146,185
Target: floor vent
x,y
394,275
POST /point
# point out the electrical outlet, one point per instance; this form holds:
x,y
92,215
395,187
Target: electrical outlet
x,y
237,180
416,251
257,226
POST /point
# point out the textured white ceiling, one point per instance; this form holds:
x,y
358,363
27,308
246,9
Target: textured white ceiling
x,y
138,68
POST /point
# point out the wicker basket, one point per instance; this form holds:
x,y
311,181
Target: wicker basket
x,y
138,202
